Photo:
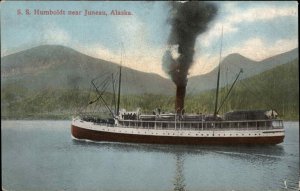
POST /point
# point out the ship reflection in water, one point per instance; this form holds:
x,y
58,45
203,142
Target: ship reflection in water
x,y
179,184
209,164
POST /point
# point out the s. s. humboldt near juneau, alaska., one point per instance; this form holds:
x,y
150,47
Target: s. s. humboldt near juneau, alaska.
x,y
121,95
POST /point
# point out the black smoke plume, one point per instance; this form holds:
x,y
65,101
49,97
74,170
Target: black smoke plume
x,y
188,20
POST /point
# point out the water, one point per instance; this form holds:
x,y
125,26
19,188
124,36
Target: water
x,y
40,155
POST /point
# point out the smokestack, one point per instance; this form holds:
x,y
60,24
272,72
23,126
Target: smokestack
x,y
180,94
188,20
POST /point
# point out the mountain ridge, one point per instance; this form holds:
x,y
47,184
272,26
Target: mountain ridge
x,y
231,65
56,66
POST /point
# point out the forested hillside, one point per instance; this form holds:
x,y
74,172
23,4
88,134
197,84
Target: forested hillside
x,y
277,89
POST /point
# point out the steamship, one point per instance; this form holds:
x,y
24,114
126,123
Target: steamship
x,y
247,127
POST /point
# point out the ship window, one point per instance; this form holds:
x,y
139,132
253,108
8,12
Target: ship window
x,y
201,134
207,134
197,134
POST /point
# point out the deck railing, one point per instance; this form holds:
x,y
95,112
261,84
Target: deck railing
x,y
204,125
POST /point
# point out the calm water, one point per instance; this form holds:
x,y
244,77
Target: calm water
x,y
40,155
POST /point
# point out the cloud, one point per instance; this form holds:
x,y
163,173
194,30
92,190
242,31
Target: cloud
x,y
261,13
131,31
234,16
98,51
138,52
257,49
53,34
142,60
254,48
204,64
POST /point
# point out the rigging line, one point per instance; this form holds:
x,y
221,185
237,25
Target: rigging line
x,y
168,101
103,81
255,94
89,97
104,87
223,101
209,57
253,86
217,91
260,83
103,100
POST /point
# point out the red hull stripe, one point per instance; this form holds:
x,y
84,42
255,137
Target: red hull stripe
x,y
81,133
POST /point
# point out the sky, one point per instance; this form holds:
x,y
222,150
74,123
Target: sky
x,y
256,30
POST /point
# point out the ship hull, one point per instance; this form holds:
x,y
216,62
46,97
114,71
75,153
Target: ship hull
x,y
98,135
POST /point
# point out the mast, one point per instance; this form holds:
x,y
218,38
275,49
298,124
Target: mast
x,y
114,91
119,88
218,80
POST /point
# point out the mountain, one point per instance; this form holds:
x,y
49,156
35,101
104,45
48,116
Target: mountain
x,y
59,67
54,81
231,65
